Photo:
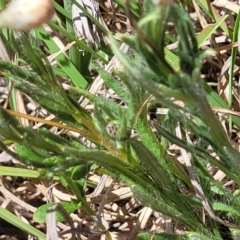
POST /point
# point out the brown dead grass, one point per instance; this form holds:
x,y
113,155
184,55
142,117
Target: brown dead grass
x,y
110,199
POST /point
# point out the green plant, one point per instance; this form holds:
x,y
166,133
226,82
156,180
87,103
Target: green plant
x,y
150,79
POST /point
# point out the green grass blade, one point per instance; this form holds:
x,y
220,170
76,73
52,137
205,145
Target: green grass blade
x,y
209,9
20,172
15,221
209,30
65,64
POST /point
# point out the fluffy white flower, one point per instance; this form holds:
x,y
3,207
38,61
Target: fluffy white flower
x,y
26,14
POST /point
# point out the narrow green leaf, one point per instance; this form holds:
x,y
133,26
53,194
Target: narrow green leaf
x,y
19,172
62,60
159,236
197,236
212,12
15,221
219,206
209,30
